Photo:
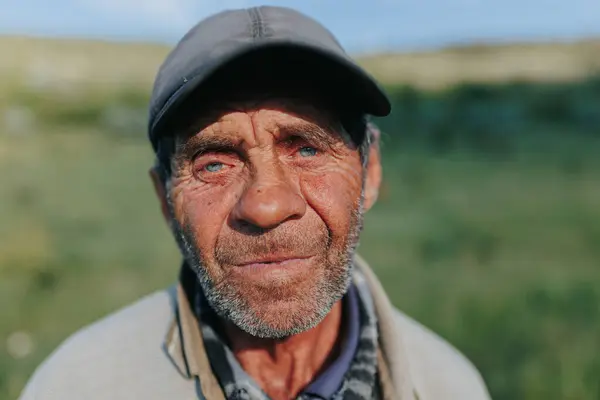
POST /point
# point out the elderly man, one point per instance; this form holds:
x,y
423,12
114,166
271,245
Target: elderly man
x,y
265,167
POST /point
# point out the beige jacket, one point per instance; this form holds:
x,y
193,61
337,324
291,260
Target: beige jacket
x,y
153,350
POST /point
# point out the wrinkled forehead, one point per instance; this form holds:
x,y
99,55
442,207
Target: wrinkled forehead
x,y
273,111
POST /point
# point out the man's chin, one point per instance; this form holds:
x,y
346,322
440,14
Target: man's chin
x,y
278,301
278,311
280,319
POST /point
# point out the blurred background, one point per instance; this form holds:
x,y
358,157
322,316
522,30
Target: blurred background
x,y
488,225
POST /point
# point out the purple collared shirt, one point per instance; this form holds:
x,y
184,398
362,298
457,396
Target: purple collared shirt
x,y
329,382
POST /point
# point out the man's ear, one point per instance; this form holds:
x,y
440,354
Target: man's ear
x,y
373,175
161,193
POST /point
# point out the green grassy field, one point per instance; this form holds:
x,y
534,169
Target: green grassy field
x,y
487,229
68,64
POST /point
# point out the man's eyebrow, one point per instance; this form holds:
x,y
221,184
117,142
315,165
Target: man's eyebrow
x,y
199,144
309,132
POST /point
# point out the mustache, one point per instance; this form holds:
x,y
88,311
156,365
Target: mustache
x,y
288,241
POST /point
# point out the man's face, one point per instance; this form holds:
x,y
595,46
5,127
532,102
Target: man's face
x,y
266,202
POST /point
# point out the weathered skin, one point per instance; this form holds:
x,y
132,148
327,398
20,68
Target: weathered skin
x,y
269,196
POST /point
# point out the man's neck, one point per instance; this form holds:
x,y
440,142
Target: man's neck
x,y
284,367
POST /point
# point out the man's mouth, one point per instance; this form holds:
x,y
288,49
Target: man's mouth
x,y
272,260
274,268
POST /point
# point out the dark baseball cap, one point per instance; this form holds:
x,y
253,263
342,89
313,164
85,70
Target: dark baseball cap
x,y
276,38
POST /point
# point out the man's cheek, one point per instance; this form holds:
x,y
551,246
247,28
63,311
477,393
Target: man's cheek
x,y
201,219
335,205
340,186
207,217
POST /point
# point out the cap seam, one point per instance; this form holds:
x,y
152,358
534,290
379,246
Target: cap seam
x,y
261,23
257,24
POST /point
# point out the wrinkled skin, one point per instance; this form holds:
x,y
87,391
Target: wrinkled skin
x,y
266,199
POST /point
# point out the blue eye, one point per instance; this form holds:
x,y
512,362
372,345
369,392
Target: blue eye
x,y
308,152
214,167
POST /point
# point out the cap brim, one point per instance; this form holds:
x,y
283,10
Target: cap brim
x,y
336,74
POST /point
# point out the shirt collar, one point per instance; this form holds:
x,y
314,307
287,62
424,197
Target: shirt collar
x,y
331,379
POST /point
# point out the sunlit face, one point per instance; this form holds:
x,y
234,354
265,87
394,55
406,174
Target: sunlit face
x,y
266,201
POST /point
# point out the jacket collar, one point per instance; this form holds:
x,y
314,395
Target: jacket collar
x,y
184,344
185,347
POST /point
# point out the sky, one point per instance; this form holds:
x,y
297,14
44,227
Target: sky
x,y
361,25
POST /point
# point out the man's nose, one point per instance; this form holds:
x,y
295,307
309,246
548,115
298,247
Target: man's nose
x,y
270,200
